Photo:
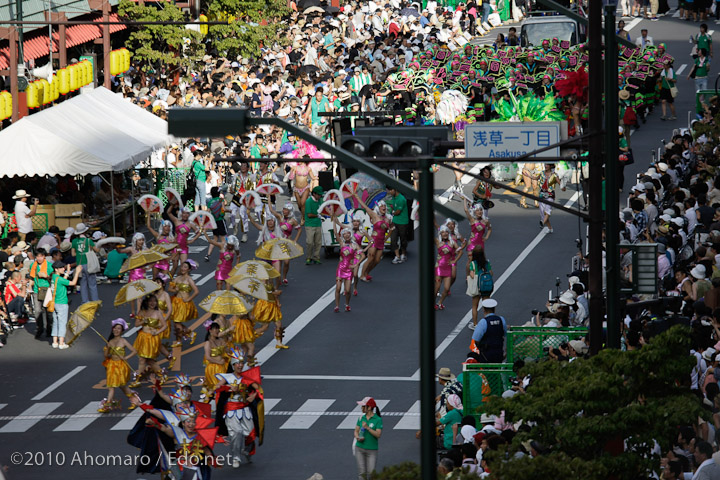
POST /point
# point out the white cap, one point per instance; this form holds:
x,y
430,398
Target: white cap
x,y
489,303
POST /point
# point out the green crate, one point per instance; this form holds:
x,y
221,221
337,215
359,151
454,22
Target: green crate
x,y
39,222
175,178
529,342
482,380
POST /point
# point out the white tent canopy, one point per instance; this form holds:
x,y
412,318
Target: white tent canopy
x,y
88,134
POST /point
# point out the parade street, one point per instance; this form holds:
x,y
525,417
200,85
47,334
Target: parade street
x,y
49,425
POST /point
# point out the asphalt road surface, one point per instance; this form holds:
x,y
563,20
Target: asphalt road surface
x,y
48,399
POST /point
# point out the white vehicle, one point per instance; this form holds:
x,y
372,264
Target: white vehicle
x,y
536,29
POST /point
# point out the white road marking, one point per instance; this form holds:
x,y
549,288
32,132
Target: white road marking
x,y
196,249
298,324
681,69
308,413
350,421
205,279
129,421
500,281
3,405
632,24
711,32
84,417
676,14
411,419
447,194
352,378
195,276
59,382
270,403
31,416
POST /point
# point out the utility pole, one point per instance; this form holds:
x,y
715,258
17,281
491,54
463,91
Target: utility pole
x,y
595,125
106,43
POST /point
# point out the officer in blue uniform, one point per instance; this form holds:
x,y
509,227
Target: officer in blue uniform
x,y
489,335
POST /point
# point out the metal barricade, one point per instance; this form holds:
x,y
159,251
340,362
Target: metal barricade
x,y
39,222
534,342
482,380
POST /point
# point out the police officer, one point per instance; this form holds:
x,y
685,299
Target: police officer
x,y
488,340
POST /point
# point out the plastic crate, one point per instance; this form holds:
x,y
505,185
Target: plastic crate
x,y
482,380
175,178
530,342
39,223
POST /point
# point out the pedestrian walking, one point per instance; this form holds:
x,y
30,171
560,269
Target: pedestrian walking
x,y
367,433
313,227
81,248
668,90
397,204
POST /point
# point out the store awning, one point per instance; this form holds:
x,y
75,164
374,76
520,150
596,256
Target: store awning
x,y
37,44
88,134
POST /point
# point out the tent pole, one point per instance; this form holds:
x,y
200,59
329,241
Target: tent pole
x,y
132,196
112,197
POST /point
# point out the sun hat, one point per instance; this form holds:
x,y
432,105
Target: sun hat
x,y
445,374
567,298
709,354
367,402
579,346
20,194
698,272
22,246
81,228
65,246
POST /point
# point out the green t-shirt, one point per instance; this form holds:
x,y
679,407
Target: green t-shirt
x,y
82,246
41,282
61,293
704,41
398,202
702,71
451,418
199,170
311,206
115,260
370,442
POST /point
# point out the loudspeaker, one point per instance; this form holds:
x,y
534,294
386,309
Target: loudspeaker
x,y
325,180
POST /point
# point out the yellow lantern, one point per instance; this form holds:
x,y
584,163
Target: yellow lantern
x,y
7,96
55,88
74,77
3,107
125,64
114,62
46,92
31,95
63,79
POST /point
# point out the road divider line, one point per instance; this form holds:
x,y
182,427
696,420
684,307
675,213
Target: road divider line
x,y
59,382
84,417
632,24
30,417
499,283
410,419
681,69
299,421
205,279
350,421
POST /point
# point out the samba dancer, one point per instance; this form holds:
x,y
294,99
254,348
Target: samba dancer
x,y
137,245
448,254
147,342
117,370
288,223
344,272
242,182
480,229
381,223
182,232
359,234
227,260
183,308
215,359
164,236
303,177
266,312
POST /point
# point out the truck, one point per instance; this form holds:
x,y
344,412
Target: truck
x,y
534,30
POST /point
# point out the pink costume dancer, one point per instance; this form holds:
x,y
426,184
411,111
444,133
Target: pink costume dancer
x,y
183,232
138,244
225,265
344,273
447,254
229,251
380,229
164,236
287,226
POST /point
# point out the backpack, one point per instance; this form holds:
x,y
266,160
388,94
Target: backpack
x,y
217,209
486,282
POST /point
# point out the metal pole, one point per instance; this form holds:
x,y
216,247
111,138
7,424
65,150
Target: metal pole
x,y
19,6
612,185
112,199
427,323
596,173
106,43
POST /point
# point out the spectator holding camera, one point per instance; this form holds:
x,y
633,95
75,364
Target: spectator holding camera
x,y
23,213
14,296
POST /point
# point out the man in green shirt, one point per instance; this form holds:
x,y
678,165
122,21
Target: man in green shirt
x,y
397,204
81,245
115,259
60,284
41,271
198,167
313,227
704,40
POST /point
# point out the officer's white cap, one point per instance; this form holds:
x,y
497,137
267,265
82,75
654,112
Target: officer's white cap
x,y
489,303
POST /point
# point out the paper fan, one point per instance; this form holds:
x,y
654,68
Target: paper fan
x,y
106,240
349,187
203,220
251,200
333,194
332,207
150,203
173,196
269,189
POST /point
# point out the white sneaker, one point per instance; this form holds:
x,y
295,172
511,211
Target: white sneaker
x,y
396,260
403,258
550,230
236,463
471,326
244,238
63,346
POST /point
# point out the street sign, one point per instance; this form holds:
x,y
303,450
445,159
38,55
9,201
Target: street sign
x,y
511,139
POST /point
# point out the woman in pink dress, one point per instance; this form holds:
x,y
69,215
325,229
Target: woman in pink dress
x,y
461,243
288,224
229,255
344,273
183,229
448,253
302,177
480,229
381,225
137,245
163,236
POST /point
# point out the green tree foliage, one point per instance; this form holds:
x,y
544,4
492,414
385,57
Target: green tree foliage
x,y
245,32
161,44
582,411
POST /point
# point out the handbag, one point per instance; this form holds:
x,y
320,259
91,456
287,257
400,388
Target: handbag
x,y
473,289
49,302
673,91
93,263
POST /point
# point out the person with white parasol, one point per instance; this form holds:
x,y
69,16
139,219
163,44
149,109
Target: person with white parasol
x,y
164,236
288,223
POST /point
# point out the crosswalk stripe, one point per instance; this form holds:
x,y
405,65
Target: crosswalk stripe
x,y
129,421
411,419
205,279
84,417
309,413
270,403
197,249
676,14
681,69
59,382
30,417
3,405
350,421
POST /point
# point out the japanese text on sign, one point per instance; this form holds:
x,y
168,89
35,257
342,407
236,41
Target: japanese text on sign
x,y
511,139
